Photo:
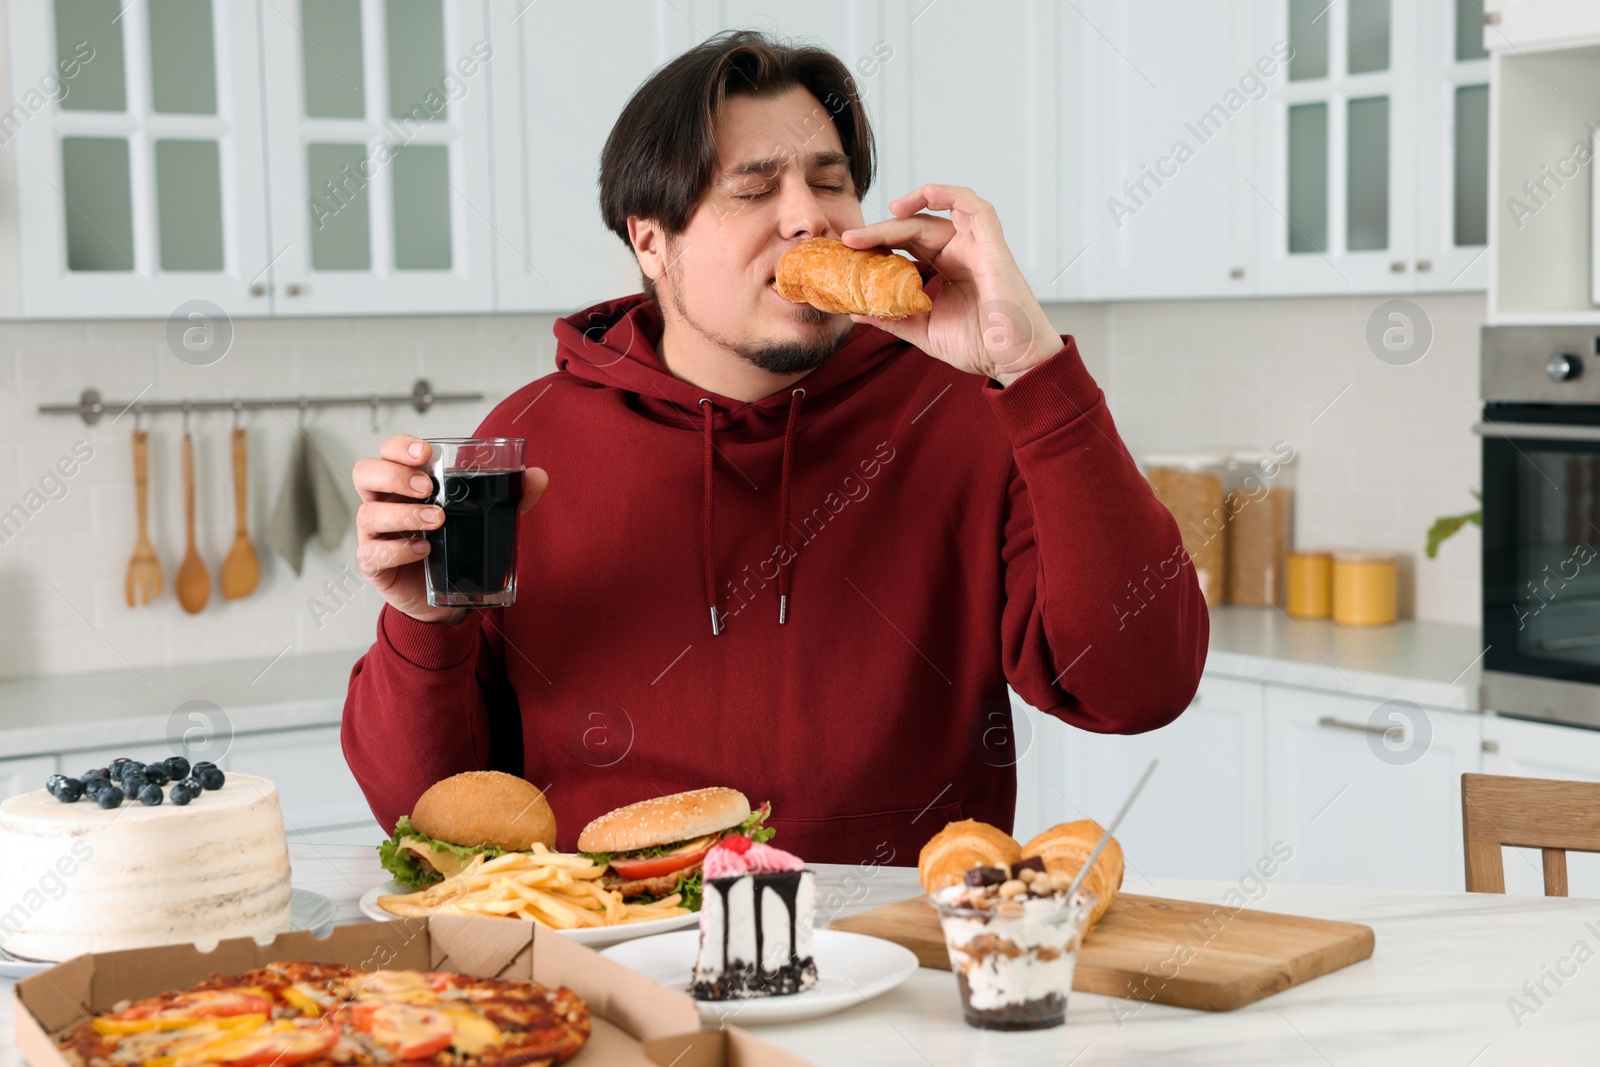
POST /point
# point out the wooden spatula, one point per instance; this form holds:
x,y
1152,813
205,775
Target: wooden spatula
x,y
194,584
144,570
240,570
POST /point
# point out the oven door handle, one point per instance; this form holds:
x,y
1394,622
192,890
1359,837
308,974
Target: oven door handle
x,y
1537,431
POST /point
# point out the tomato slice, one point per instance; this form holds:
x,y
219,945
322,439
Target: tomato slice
x,y
204,1003
408,1031
656,866
279,1048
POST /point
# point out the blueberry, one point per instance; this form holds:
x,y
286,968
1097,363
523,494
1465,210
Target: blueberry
x,y
150,795
94,786
177,768
134,781
117,765
69,791
202,765
157,773
181,793
209,776
110,797
99,774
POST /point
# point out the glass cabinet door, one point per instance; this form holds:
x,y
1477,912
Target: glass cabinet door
x,y
138,141
377,125
1453,149
1336,207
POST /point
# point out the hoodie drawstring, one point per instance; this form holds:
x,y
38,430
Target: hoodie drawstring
x,y
785,569
710,559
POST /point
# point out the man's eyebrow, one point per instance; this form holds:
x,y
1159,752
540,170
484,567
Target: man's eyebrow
x,y
764,167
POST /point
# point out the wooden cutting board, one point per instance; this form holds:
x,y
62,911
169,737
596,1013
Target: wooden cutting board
x,y
1165,951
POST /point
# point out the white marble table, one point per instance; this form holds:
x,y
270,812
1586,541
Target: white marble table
x,y
1436,990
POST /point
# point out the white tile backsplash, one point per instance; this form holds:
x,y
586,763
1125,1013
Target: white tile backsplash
x,y
1374,469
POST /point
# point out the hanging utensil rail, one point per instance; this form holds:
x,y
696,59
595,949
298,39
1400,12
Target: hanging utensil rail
x,y
91,406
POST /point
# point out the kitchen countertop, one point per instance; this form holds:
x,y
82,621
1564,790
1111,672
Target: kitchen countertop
x,y
1437,990
1430,663
1433,663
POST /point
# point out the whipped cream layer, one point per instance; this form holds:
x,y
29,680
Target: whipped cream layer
x,y
77,878
737,914
996,979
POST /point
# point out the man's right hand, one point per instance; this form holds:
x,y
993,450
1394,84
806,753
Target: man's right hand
x,y
392,522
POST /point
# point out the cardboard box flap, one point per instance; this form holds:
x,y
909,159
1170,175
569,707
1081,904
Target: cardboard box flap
x,y
485,946
59,997
727,1047
640,1005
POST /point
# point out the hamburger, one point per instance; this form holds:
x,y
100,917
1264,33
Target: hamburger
x,y
465,815
655,847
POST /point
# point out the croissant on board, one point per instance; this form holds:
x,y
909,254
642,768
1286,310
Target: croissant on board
x,y
1066,845
833,277
961,846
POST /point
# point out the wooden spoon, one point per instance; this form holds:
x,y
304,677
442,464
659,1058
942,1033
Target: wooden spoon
x,y
144,569
194,584
240,570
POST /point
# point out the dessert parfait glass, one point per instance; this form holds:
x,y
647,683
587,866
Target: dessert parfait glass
x,y
1014,959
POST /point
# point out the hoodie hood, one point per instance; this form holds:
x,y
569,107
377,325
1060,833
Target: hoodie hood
x,y
614,345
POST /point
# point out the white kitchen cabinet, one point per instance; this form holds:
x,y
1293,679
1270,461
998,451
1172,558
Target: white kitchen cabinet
x,y
24,775
377,124
316,790
1371,175
1542,750
1200,816
1518,24
984,105
1173,120
138,145
1361,808
554,107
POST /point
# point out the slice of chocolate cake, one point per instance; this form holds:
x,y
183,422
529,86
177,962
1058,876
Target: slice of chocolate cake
x,y
756,923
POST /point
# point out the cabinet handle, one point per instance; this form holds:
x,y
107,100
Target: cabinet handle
x,y
1424,266
1491,746
1236,273
292,289
1397,267
1358,727
258,289
1491,18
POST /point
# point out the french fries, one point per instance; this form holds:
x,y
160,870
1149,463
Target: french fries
x,y
556,889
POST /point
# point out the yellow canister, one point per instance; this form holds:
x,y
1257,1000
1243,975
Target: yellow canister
x,y
1310,580
1365,588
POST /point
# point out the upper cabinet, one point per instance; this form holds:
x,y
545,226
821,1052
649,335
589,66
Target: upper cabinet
x,y
310,157
1544,232
138,145
377,116
1296,146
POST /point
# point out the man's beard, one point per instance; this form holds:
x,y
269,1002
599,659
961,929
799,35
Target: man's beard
x,y
776,357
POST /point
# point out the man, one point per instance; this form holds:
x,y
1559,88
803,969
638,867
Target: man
x,y
796,553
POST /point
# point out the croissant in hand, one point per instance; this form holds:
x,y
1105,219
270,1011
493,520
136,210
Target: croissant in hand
x,y
833,277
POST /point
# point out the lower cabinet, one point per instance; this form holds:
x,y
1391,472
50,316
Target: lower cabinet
x,y
1200,816
1541,750
1367,792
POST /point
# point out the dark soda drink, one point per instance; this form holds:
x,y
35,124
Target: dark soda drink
x,y
472,558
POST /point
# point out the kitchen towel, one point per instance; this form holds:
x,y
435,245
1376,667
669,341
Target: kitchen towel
x,y
312,502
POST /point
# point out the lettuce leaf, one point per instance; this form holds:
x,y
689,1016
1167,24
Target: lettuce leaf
x,y
403,864
753,828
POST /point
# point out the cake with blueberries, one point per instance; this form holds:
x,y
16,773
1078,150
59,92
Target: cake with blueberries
x,y
757,923
133,855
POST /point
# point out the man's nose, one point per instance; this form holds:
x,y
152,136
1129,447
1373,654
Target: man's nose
x,y
802,214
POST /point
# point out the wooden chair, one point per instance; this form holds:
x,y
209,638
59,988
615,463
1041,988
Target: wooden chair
x,y
1546,814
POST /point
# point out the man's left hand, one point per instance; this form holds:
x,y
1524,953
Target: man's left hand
x,y
985,320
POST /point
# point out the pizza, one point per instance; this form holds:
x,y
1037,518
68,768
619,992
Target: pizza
x,y
330,1015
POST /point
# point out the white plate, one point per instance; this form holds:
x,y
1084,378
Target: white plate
x,y
593,936
850,969
307,911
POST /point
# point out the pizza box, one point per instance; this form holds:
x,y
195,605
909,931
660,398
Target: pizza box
x,y
636,1022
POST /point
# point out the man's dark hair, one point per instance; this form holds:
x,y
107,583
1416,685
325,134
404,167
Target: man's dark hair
x,y
662,153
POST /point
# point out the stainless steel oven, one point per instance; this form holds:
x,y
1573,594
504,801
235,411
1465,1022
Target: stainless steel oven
x,y
1541,522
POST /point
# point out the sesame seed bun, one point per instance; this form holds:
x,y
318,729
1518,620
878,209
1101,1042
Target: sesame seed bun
x,y
486,808
663,820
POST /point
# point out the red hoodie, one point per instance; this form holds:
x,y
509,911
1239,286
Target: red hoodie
x,y
886,545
